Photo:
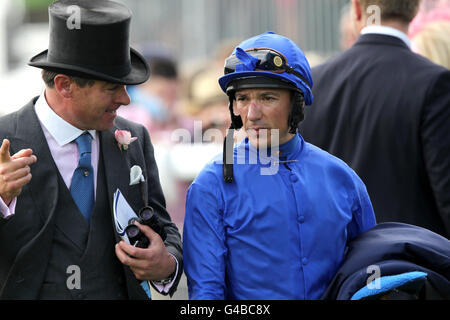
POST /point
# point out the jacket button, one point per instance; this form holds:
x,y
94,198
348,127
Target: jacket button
x,y
305,261
301,219
294,178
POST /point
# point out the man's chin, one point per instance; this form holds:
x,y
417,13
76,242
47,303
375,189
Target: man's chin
x,y
105,126
263,139
259,142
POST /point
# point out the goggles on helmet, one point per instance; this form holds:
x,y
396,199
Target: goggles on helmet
x,y
269,60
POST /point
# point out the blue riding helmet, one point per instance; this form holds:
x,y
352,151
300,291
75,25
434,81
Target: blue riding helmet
x,y
272,56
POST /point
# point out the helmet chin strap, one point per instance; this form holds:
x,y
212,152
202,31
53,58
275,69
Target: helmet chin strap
x,y
236,124
227,165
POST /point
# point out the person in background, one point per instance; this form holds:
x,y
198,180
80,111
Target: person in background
x,y
433,42
384,110
204,115
154,103
281,233
205,100
430,32
207,103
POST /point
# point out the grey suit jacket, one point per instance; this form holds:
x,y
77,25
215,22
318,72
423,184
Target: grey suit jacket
x,y
25,239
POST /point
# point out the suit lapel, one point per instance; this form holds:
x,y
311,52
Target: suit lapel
x,y
117,165
44,184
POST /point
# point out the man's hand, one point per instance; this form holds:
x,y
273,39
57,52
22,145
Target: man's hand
x,y
14,171
152,263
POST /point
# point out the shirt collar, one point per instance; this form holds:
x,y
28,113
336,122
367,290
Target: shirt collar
x,y
290,147
62,131
287,150
389,31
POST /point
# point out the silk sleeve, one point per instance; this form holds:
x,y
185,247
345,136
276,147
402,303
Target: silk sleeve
x,y
363,216
204,243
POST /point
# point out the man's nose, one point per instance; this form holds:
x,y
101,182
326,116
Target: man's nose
x,y
123,98
254,111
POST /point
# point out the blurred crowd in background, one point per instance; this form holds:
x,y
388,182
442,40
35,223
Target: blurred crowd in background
x,y
186,43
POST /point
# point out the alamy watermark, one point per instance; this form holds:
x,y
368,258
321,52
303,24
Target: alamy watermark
x,y
373,15
265,153
74,20
74,279
373,281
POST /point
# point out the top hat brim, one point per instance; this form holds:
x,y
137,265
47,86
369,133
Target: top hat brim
x,y
140,70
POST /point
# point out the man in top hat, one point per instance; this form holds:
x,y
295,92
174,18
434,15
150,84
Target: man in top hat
x,y
63,157
270,219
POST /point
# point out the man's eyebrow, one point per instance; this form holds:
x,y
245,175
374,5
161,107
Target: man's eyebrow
x,y
274,93
109,85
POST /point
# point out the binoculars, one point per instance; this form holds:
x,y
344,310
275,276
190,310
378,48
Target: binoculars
x,y
147,217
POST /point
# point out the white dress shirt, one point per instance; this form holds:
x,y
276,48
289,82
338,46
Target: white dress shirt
x,y
60,136
389,31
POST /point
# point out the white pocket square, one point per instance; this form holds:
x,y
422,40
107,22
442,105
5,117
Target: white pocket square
x,y
136,175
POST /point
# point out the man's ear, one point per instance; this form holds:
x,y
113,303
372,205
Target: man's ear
x,y
64,85
357,16
357,10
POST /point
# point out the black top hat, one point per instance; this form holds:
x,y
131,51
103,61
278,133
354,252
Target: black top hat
x,y
91,39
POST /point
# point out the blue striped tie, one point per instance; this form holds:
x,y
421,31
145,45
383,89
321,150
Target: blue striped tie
x,y
82,186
